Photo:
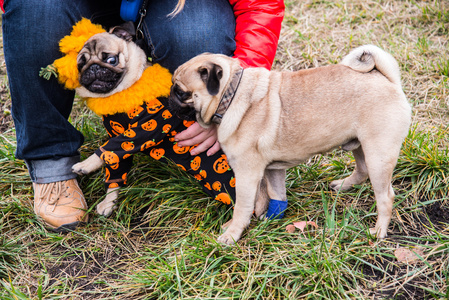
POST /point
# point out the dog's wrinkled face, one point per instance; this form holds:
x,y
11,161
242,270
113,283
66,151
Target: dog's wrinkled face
x,y
198,85
110,62
101,63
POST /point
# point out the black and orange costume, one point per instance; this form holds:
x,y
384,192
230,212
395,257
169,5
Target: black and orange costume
x,y
145,124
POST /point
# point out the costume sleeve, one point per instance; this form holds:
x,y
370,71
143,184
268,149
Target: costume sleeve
x,y
258,26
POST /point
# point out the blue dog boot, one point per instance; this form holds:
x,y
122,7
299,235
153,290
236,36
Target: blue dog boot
x,y
276,209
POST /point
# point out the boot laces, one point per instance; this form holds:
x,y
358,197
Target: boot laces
x,y
55,189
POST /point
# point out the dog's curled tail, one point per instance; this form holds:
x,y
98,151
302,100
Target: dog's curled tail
x,y
366,58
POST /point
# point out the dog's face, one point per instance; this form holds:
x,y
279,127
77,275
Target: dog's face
x,y
110,62
198,86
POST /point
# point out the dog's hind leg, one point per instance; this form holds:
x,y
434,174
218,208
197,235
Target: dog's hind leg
x,y
277,193
262,199
359,175
276,184
380,164
272,186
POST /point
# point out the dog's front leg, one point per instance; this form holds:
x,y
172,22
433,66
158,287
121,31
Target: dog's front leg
x,y
109,203
92,163
247,183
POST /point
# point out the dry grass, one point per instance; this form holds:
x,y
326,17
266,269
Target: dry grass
x,y
160,244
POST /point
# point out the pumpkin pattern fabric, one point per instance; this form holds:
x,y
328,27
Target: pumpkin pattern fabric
x,y
150,129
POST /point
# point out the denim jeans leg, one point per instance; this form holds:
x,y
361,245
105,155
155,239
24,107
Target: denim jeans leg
x,y
31,32
202,26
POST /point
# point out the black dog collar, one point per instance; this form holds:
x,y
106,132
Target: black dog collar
x,y
228,96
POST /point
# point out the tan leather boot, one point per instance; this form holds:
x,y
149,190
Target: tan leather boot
x,y
61,205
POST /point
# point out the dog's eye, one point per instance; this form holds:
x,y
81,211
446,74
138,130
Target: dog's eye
x,y
112,60
81,62
203,73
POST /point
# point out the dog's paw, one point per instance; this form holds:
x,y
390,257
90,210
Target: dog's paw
x,y
226,239
107,206
87,166
339,185
80,168
230,237
378,233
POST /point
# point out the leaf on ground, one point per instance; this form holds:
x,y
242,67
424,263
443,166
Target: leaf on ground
x,y
290,228
300,225
406,255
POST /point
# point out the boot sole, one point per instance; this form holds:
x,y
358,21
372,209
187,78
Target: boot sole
x,y
64,228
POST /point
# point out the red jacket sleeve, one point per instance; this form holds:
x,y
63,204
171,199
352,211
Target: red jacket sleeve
x,y
258,26
1,5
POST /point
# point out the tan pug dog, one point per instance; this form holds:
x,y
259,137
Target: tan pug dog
x,y
271,121
108,63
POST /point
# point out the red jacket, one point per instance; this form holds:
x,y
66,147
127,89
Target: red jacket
x,y
258,26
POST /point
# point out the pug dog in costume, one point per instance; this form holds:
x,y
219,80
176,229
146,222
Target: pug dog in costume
x,y
113,76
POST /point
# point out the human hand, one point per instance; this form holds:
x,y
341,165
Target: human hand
x,y
205,138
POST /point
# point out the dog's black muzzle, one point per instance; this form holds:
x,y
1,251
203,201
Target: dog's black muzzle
x,y
99,79
178,107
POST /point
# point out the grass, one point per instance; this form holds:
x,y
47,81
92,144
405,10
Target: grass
x,y
161,241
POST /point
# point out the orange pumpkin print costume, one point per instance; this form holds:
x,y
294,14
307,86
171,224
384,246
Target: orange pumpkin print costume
x,y
150,129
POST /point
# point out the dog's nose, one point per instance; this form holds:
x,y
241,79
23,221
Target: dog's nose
x,y
94,68
179,94
174,91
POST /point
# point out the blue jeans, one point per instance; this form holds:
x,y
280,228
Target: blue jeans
x,y
40,108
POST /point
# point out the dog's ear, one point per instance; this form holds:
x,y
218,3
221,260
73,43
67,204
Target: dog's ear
x,y
126,31
211,75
